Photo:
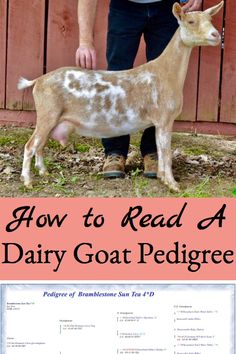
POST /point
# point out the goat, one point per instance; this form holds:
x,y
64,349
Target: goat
x,y
113,103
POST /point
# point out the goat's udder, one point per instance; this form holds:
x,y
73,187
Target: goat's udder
x,y
61,132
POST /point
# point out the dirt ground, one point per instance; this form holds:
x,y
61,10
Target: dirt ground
x,y
204,165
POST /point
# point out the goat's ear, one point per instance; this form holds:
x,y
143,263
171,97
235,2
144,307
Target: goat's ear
x,y
178,11
213,10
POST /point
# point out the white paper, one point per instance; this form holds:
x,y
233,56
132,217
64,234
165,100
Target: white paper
x,y
118,319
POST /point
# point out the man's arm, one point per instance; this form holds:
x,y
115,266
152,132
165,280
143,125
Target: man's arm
x,y
192,5
86,54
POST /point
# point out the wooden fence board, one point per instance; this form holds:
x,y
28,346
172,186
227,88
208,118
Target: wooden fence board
x,y
62,39
3,38
63,34
209,75
25,49
228,102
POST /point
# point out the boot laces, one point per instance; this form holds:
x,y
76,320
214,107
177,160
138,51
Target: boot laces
x,y
114,158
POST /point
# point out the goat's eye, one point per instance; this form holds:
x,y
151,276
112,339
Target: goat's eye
x,y
191,22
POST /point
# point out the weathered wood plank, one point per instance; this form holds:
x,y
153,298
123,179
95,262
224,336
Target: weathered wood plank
x,y
228,101
25,49
62,39
17,118
209,75
205,128
3,35
63,33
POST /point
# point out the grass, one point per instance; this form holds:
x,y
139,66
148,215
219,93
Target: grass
x,y
140,186
195,151
12,137
5,140
75,171
208,187
81,147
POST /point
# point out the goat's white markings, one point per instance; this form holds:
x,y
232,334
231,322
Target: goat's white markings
x,y
171,105
145,77
154,96
87,82
164,139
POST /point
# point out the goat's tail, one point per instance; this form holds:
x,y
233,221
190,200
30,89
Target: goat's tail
x,y
24,83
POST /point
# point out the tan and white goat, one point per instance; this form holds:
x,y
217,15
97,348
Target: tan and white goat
x,y
106,104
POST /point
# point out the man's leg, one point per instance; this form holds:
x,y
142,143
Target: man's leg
x,y
125,26
160,28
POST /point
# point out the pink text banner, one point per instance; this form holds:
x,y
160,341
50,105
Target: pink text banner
x,y
117,239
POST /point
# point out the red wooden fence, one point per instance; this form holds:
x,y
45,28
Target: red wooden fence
x,y
40,35
228,99
3,26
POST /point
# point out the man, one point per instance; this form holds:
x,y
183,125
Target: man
x,y
128,20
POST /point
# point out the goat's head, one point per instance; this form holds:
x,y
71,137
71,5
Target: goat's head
x,y
196,28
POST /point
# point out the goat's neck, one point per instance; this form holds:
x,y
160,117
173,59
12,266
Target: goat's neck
x,y
174,60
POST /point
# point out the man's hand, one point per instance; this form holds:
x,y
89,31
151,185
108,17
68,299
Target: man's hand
x,y
85,57
192,5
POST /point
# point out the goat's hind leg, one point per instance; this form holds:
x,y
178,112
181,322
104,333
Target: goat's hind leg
x,y
163,142
34,147
29,152
39,163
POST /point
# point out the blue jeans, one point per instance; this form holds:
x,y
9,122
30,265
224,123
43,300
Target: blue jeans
x,y
127,22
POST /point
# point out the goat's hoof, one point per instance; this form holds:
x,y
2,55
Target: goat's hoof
x,y
174,187
27,184
169,182
43,173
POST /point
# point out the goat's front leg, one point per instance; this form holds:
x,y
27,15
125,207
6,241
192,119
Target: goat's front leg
x,y
163,142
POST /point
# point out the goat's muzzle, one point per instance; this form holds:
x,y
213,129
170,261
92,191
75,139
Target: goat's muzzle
x,y
214,38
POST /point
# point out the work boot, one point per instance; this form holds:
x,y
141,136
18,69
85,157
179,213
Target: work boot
x,y
150,165
114,166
